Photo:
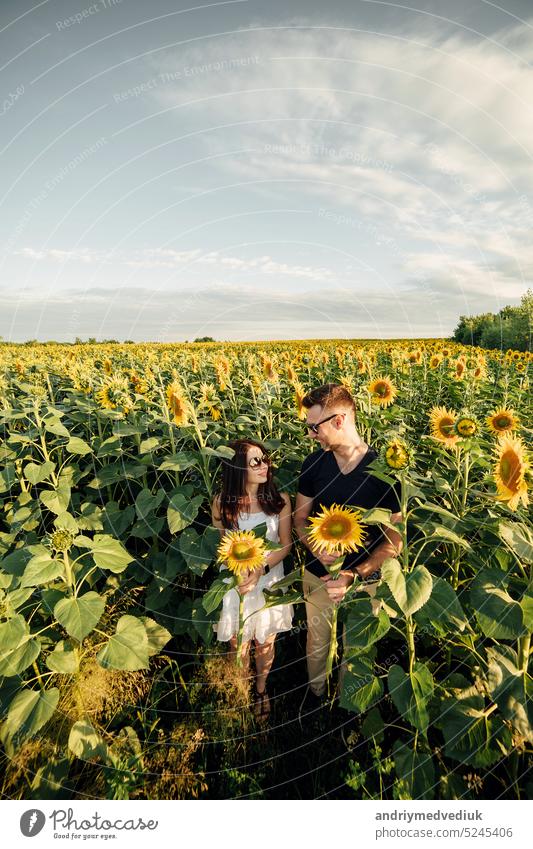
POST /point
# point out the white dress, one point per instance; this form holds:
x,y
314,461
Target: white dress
x,y
261,624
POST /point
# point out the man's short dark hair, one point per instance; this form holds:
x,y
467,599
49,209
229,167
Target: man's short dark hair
x,y
328,396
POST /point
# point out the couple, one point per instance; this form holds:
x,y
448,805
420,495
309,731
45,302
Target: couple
x,y
335,474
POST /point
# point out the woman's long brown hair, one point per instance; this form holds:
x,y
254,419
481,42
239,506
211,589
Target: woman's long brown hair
x,y
234,485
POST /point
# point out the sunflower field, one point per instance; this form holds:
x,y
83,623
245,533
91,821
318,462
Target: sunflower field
x,y
112,682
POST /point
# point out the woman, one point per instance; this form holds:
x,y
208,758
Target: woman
x,y
249,497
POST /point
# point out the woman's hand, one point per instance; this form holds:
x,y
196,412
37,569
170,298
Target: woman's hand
x,y
250,581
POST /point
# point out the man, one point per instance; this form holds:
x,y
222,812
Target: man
x,y
338,473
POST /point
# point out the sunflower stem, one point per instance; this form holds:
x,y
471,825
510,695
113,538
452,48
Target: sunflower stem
x,y
524,645
240,631
410,632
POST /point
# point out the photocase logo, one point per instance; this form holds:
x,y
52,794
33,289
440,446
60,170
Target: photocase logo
x,y
32,822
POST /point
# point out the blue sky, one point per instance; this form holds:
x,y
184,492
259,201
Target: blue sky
x,y
253,171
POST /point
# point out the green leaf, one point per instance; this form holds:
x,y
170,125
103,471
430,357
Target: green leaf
x,y
379,516
446,534
53,425
75,445
18,649
519,538
361,688
146,503
56,500
410,591
8,476
117,472
472,735
85,743
90,518
28,712
411,693
178,462
415,769
67,521
113,445
158,636
15,563
182,511
62,659
78,616
221,451
363,627
148,445
527,609
443,609
221,585
198,552
110,554
35,473
511,690
128,648
15,599
498,615
373,726
116,521
41,569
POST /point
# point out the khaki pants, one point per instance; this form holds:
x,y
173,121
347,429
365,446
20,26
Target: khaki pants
x,y
318,607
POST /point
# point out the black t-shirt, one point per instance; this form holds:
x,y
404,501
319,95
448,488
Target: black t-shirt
x,y
321,480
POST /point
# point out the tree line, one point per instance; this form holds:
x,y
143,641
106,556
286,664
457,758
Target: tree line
x,y
511,327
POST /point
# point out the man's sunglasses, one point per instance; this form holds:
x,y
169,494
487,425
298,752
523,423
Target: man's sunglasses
x,y
314,427
256,462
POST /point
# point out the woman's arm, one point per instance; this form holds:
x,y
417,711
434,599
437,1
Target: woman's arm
x,y
285,534
216,517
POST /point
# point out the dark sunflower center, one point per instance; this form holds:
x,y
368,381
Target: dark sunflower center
x,y
502,422
446,427
242,551
337,528
510,470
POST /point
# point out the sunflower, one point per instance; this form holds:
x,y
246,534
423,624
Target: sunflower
x,y
137,383
241,551
208,399
336,530
178,404
502,420
291,374
466,426
396,455
114,394
299,395
442,426
61,540
435,360
108,366
459,369
383,391
510,470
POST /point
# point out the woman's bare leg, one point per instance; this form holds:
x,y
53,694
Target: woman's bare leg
x,y
264,658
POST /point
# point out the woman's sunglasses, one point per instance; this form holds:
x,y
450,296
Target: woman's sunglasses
x,y
256,462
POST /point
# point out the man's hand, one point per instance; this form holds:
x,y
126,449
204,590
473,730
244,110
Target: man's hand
x,y
337,587
326,559
250,581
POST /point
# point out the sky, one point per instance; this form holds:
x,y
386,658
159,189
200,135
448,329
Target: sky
x,y
249,170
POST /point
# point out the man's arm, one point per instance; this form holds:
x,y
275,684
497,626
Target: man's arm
x,y
390,547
